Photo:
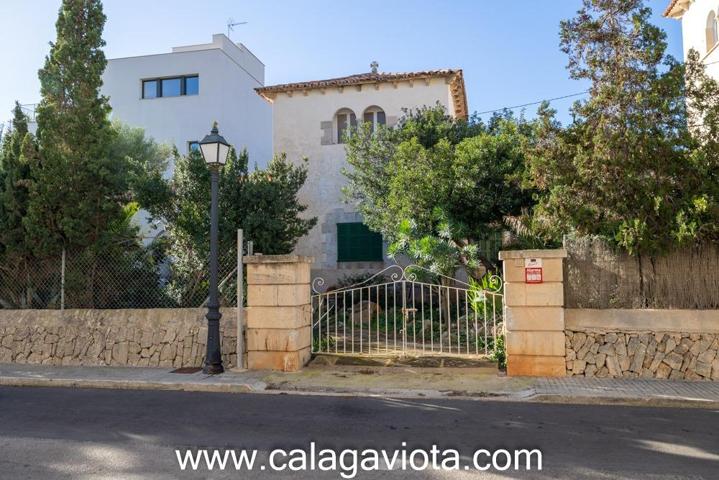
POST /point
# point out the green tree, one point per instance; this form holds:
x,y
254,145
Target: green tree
x,y
262,202
630,167
17,154
77,189
437,188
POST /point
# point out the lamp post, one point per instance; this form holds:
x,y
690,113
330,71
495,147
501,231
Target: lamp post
x,y
214,150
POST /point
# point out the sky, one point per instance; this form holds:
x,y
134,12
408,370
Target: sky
x,y
508,50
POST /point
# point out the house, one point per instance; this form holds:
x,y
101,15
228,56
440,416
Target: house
x,y
700,29
309,119
176,96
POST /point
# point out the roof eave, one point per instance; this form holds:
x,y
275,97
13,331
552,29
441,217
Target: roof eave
x,y
676,9
454,78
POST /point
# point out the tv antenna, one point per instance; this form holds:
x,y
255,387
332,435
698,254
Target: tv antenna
x,y
231,24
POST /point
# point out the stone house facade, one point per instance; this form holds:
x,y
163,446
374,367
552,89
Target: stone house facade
x,y
700,29
309,120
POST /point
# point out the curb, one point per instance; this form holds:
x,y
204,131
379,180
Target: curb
x,y
523,396
128,385
558,399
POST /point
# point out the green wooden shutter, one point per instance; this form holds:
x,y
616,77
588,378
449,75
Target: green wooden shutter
x,y
357,243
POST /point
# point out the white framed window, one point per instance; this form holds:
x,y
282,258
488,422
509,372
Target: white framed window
x,y
712,31
345,120
374,116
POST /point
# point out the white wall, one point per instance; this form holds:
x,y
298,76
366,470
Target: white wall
x,y
226,94
694,23
297,122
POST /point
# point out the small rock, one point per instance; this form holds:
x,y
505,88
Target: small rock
x,y
676,375
674,360
578,340
579,366
599,360
638,360
715,369
663,371
707,356
613,366
704,369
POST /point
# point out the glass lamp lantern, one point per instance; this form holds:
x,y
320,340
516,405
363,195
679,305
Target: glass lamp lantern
x,y
214,148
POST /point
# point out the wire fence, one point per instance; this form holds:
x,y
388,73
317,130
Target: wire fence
x,y
128,279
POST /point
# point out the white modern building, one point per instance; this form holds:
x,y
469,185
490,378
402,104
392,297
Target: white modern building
x,y
700,29
176,96
309,120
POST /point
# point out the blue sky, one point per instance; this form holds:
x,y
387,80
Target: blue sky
x,y
508,49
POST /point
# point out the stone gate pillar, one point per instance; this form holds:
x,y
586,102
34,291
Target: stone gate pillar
x,y
279,329
534,312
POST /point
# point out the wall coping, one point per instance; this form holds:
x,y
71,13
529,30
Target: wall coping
x,y
278,259
538,253
636,320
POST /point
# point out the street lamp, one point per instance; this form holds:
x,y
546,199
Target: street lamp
x,y
214,150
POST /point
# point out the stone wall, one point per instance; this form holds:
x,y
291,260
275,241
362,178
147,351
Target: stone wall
x,y
138,337
534,314
674,344
279,317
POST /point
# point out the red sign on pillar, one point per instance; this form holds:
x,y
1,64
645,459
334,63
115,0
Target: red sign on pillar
x,y
533,270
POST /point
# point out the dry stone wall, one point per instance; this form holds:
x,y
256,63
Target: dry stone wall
x,y
138,337
672,355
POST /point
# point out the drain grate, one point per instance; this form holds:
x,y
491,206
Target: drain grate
x,y
187,370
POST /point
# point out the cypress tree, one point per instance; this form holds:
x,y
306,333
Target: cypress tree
x,y
77,191
18,151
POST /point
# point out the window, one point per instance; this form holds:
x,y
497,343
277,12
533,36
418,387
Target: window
x,y
374,116
192,85
193,146
171,87
150,89
357,243
346,119
712,34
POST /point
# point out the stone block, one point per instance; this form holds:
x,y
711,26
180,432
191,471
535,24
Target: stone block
x,y
284,361
278,295
278,273
534,318
536,295
536,366
536,343
278,317
552,270
281,340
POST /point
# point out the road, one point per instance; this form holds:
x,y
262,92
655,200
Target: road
x,y
59,433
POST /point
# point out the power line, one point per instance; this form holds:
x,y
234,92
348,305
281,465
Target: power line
x,y
553,99
535,103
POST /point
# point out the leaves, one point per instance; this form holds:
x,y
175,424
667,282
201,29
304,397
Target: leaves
x,y
437,187
630,167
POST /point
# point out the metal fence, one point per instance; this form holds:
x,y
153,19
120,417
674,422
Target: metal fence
x,y
126,279
407,311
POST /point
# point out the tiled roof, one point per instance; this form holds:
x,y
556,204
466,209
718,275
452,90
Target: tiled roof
x,y
671,10
454,79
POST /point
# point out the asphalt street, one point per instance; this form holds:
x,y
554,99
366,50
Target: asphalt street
x,y
56,433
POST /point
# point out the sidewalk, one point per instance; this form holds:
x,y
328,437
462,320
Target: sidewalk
x,y
470,383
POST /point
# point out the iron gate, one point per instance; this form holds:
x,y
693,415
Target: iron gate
x,y
407,311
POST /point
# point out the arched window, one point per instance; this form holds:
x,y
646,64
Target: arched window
x,y
374,116
345,119
712,34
